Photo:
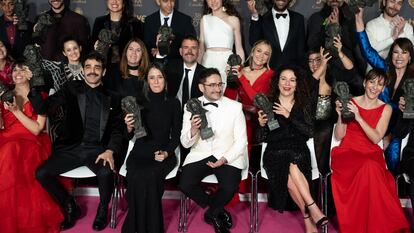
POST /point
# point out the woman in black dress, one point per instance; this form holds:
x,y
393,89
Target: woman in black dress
x,y
152,157
287,158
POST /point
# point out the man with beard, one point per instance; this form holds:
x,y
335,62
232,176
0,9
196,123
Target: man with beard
x,y
383,30
93,133
317,22
14,39
66,22
283,28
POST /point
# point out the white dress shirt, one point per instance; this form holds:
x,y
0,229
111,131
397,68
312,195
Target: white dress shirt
x,y
380,30
190,81
230,139
282,27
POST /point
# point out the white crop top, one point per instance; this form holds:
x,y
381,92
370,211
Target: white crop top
x,y
217,33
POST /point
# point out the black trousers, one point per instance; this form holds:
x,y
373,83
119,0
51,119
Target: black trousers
x,y
228,180
68,158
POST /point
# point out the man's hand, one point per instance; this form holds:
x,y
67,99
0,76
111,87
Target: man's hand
x,y
218,163
107,157
401,104
160,155
195,125
129,121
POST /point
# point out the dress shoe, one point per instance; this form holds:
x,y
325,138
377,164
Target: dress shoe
x,y
226,219
101,219
217,224
72,213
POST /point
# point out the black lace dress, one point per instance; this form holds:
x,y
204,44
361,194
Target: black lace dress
x,y
285,145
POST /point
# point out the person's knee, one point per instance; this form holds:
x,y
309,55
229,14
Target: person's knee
x,y
229,189
41,174
105,173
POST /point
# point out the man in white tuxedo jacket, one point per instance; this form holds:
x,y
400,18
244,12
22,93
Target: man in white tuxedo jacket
x,y
224,154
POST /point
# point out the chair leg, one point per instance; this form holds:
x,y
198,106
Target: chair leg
x,y
256,203
114,208
180,216
252,197
397,178
186,209
324,182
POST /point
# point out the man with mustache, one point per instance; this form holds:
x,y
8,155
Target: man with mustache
x,y
93,133
383,30
67,22
283,28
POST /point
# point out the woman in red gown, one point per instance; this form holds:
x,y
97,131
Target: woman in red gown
x,y
363,189
24,205
253,78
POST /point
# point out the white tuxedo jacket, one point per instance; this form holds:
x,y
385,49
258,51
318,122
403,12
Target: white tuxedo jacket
x,y
229,140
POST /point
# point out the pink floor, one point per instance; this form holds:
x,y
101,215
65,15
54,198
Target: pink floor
x,y
269,221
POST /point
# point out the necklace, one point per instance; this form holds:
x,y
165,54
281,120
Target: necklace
x,y
132,67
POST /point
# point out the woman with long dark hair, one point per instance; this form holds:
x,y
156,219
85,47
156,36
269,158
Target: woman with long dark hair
x,y
287,158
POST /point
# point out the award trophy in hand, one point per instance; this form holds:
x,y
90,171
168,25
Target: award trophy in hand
x,y
105,39
166,37
342,90
21,10
261,101
43,23
33,59
408,87
232,61
332,30
6,95
129,105
194,106
354,5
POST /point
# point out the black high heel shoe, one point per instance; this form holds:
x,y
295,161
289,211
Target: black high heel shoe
x,y
322,221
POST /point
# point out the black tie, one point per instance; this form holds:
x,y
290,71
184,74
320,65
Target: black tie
x,y
278,15
210,103
166,21
186,95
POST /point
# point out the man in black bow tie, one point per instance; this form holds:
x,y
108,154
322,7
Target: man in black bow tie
x,y
224,154
283,28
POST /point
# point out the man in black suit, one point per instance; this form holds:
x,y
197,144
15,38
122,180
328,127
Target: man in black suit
x,y
67,22
93,134
283,28
180,23
14,39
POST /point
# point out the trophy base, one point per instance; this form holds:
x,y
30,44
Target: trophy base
x,y
206,133
163,47
348,118
408,115
273,124
139,133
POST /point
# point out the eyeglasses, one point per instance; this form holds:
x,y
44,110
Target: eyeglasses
x,y
214,85
315,61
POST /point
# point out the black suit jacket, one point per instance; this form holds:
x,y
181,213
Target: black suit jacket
x,y
130,28
181,25
22,39
175,73
294,51
73,100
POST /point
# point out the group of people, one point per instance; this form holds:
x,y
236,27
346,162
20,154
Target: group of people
x,y
81,100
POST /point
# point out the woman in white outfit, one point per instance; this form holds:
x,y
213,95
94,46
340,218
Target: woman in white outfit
x,y
219,31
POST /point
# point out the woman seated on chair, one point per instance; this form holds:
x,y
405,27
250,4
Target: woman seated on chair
x,y
402,128
287,158
24,205
363,189
152,156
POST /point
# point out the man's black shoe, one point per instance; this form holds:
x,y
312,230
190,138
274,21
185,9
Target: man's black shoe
x,y
101,219
72,213
226,219
217,224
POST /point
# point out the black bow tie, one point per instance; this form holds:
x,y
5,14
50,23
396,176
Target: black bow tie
x,y
210,103
278,15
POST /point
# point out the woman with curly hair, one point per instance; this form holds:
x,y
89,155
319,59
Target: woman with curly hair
x,y
287,158
219,32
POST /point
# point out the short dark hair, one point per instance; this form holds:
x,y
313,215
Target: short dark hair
x,y
376,73
68,38
190,37
207,73
95,56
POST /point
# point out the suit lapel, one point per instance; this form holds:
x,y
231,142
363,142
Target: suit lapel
x,y
270,23
291,24
82,105
194,83
105,109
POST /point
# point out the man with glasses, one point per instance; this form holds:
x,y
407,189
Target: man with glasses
x,y
224,154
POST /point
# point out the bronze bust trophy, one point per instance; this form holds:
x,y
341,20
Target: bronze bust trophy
x,y
342,90
166,36
354,5
43,23
105,39
194,106
232,61
33,59
130,105
21,10
408,87
332,30
6,95
261,101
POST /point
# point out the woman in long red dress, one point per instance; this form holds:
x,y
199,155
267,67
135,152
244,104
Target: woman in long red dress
x,y
363,189
24,205
253,78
